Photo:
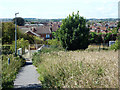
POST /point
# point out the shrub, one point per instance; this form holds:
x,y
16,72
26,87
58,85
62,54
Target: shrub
x,y
21,43
6,49
10,71
38,40
54,42
36,59
115,46
97,37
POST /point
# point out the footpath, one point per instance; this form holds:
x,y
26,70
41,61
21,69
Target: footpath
x,y
27,76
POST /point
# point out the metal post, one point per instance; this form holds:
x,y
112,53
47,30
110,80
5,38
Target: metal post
x,y
16,34
8,61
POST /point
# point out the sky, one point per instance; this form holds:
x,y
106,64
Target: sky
x,y
49,9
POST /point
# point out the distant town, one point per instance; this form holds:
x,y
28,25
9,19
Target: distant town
x,y
44,27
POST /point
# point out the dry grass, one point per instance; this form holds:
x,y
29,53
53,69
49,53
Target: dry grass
x,y
79,69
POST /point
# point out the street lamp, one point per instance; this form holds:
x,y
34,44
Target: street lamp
x,y
16,34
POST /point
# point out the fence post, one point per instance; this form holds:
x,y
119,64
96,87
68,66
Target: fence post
x,y
99,47
29,47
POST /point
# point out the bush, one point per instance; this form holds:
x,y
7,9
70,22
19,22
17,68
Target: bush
x,y
36,59
10,71
97,37
21,43
6,49
38,40
73,33
115,46
54,42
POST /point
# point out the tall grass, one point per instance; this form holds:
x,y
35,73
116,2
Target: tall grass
x,y
10,71
78,69
0,72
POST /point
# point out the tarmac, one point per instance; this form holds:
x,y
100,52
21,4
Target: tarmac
x,y
27,76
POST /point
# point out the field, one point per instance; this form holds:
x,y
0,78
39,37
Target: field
x,y
77,69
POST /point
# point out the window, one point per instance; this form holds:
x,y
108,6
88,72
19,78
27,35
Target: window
x,y
47,36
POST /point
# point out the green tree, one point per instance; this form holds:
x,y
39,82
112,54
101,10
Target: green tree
x,y
21,43
8,33
92,37
118,26
73,32
20,21
28,37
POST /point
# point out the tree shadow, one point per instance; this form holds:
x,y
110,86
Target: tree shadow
x,y
28,63
28,87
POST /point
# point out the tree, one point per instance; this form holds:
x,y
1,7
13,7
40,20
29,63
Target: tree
x,y
21,43
8,34
73,32
118,26
20,21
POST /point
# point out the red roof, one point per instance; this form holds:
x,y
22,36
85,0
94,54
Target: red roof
x,y
103,28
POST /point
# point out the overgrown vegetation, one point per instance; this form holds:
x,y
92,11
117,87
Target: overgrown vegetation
x,y
54,42
6,49
10,71
116,46
77,69
21,43
36,60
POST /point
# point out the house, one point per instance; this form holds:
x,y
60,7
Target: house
x,y
43,31
32,33
119,30
54,26
25,29
103,28
39,31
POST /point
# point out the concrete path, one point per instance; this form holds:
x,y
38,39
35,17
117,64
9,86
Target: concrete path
x,y
27,76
